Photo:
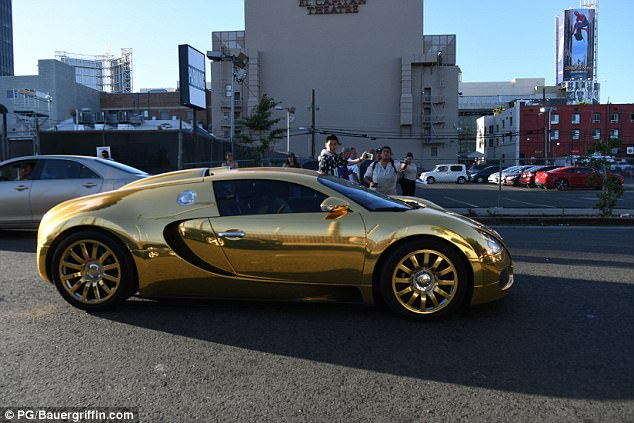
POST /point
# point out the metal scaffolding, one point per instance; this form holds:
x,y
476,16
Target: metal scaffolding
x,y
104,73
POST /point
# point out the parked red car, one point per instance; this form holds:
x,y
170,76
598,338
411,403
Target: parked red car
x,y
572,177
527,178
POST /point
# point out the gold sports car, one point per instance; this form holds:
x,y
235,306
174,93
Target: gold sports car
x,y
273,234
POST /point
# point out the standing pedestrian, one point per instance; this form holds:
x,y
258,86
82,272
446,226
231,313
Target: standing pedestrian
x,y
408,169
383,174
229,162
291,161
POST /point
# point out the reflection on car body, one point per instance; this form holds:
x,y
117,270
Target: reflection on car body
x,y
276,234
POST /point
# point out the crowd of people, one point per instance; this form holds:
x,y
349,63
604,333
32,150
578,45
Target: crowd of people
x,y
374,168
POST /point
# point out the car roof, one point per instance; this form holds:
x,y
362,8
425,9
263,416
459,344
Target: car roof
x,y
107,168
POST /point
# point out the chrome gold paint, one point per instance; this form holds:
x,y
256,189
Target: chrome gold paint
x,y
89,271
323,256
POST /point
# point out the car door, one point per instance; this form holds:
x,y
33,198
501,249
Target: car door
x,y
15,193
442,173
275,230
60,180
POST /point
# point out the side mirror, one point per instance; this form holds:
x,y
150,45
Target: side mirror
x,y
335,207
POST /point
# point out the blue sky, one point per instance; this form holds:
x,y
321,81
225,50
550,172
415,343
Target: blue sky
x,y
497,41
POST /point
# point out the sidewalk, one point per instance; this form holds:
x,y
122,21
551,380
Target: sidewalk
x,y
546,216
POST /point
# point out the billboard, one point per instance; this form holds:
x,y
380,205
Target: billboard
x,y
191,65
578,92
575,45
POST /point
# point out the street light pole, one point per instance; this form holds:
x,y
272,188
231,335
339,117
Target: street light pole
x,y
290,113
233,108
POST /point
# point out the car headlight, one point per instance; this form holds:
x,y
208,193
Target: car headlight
x,y
493,248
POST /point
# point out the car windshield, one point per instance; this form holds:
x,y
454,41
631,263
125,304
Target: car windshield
x,y
121,167
371,200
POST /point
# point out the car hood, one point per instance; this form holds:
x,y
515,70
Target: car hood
x,y
177,175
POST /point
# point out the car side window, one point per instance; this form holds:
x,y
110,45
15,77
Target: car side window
x,y
442,168
18,171
65,169
456,168
261,196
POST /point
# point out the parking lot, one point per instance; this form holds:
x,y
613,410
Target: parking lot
x,y
473,195
558,348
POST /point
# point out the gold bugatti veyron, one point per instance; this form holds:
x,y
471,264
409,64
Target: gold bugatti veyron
x,y
274,234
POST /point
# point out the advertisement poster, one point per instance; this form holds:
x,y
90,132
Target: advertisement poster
x,y
578,44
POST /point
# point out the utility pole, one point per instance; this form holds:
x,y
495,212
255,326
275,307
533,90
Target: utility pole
x,y
312,125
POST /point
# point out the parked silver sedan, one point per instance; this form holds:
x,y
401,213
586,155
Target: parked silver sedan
x,y
31,185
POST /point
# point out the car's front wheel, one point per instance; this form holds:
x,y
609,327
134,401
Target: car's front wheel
x,y
461,180
424,279
561,185
430,180
93,271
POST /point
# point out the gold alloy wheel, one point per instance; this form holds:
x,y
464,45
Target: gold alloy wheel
x,y
90,272
425,281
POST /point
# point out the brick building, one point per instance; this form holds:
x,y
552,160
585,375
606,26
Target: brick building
x,y
520,134
574,128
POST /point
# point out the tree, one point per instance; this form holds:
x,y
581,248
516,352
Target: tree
x,y
611,189
259,124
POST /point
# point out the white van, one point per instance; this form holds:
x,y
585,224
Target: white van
x,y
446,173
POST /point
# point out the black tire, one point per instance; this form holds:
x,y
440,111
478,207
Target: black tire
x,y
480,179
436,273
461,180
561,184
93,271
430,180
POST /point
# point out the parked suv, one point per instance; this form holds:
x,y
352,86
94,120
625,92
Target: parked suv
x,y
446,173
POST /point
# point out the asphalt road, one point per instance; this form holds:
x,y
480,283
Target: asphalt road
x,y
558,349
473,195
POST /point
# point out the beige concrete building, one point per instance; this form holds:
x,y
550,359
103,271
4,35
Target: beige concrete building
x,y
377,79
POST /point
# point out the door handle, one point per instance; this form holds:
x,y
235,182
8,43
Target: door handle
x,y
231,234
89,184
21,187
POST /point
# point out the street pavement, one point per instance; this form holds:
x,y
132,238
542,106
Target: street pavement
x,y
558,349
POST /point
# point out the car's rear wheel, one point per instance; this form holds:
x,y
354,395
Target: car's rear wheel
x,y
424,279
430,180
561,185
480,179
93,271
461,180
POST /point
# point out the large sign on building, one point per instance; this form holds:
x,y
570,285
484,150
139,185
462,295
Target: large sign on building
x,y
192,77
331,7
575,45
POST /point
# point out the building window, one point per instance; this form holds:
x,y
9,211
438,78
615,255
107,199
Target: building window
x,y
190,115
576,118
165,115
227,90
497,128
10,94
236,96
615,118
511,121
491,142
614,133
632,117
434,151
554,118
555,134
596,117
596,135
503,123
576,134
225,116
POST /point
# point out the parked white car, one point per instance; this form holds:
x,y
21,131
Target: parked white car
x,y
456,173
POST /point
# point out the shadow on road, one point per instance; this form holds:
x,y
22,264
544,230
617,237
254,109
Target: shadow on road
x,y
551,337
19,241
